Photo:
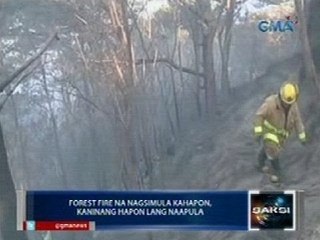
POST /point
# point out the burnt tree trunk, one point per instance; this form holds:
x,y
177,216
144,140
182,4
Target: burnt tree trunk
x,y
208,69
60,174
309,49
175,99
209,25
196,49
225,38
8,213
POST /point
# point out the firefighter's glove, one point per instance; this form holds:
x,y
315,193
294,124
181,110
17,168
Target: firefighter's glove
x,y
303,138
258,133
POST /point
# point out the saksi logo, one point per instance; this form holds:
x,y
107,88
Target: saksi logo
x,y
271,210
287,25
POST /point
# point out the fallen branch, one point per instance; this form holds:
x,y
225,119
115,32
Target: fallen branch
x,y
81,19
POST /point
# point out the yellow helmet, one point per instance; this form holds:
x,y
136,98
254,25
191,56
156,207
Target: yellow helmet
x,y
289,92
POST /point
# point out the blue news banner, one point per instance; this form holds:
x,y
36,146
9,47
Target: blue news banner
x,y
137,210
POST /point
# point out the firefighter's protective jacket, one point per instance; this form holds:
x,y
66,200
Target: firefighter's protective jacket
x,y
274,123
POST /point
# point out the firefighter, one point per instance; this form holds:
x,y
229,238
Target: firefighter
x,y
275,120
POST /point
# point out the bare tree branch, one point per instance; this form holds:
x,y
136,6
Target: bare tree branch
x,y
23,77
83,97
47,43
169,62
92,103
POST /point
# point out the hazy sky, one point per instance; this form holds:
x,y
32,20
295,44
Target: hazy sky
x,y
250,6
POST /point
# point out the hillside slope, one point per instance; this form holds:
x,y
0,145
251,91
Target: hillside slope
x,y
223,156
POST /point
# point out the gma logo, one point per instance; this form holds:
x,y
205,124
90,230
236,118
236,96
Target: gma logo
x,y
270,210
277,26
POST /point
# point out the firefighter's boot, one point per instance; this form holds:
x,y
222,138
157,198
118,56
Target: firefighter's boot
x,y
261,161
275,176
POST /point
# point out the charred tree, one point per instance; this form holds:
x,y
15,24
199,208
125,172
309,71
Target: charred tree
x,y
125,88
7,188
204,24
196,49
306,34
225,37
314,32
